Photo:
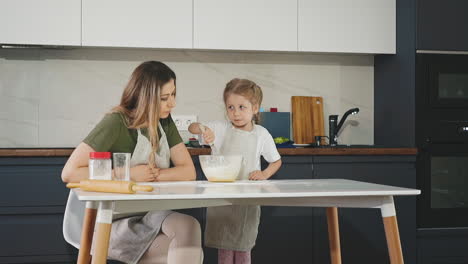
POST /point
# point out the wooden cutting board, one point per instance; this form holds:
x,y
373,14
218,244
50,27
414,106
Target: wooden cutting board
x,y
307,119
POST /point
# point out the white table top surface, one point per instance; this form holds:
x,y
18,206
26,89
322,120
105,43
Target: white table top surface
x,y
252,189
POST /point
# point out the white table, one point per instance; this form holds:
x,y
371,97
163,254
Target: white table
x,y
329,193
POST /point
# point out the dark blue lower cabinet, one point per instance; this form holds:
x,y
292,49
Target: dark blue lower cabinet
x,y
34,238
442,245
285,236
32,204
361,230
31,228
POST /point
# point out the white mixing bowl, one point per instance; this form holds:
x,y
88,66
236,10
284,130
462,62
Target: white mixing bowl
x,y
219,168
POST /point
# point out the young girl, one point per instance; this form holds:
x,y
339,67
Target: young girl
x,y
233,229
142,125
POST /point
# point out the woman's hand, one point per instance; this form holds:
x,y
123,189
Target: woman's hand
x,y
258,175
144,173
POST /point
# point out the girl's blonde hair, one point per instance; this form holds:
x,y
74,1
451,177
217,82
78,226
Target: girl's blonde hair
x,y
140,102
246,88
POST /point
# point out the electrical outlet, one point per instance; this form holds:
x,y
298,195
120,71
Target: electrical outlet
x,y
182,123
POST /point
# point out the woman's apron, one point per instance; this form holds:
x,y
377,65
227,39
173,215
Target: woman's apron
x,y
235,227
132,236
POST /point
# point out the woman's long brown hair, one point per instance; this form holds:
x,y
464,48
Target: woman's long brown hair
x,y
140,102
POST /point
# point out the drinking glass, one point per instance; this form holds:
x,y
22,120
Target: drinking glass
x,y
121,166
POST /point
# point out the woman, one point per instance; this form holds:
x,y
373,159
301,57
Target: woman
x,y
141,124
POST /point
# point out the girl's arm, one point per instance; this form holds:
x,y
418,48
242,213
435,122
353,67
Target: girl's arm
x,y
207,133
194,128
267,173
183,169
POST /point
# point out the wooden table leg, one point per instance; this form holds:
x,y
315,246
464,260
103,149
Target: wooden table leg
x,y
334,235
391,231
104,225
87,231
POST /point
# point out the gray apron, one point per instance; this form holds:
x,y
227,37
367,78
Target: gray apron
x,y
235,227
132,236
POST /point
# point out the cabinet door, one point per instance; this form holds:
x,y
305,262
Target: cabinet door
x,y
442,25
40,22
33,203
359,26
362,232
140,23
286,227
245,24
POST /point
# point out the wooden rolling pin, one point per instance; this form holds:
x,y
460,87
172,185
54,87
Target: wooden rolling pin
x,y
110,186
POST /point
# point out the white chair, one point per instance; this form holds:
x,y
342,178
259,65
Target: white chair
x,y
73,220
74,217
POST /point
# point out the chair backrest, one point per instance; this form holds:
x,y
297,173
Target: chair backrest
x,y
73,220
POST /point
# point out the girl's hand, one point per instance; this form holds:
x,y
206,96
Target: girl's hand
x,y
144,173
208,135
258,176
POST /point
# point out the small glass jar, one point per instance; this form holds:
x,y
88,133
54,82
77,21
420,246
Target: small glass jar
x,y
100,166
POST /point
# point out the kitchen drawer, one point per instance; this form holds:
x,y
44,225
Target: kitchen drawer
x,y
33,235
32,182
447,131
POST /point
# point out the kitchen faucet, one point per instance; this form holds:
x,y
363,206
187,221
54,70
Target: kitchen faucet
x,y
334,128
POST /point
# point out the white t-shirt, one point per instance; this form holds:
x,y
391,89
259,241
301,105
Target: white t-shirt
x,y
265,145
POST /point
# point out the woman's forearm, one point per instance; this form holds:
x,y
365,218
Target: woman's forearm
x,y
76,175
179,173
76,168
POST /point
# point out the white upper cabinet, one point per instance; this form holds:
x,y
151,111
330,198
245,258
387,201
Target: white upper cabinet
x,y
354,26
245,24
137,23
40,22
338,26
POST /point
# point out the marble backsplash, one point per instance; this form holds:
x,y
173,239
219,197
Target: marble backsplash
x,y
54,97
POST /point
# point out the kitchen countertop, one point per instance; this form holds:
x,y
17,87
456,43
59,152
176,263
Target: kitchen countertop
x,y
326,151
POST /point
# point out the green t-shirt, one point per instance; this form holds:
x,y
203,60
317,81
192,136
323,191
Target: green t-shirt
x,y
111,134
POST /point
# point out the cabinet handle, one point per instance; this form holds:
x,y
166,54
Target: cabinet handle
x,y
425,146
463,129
